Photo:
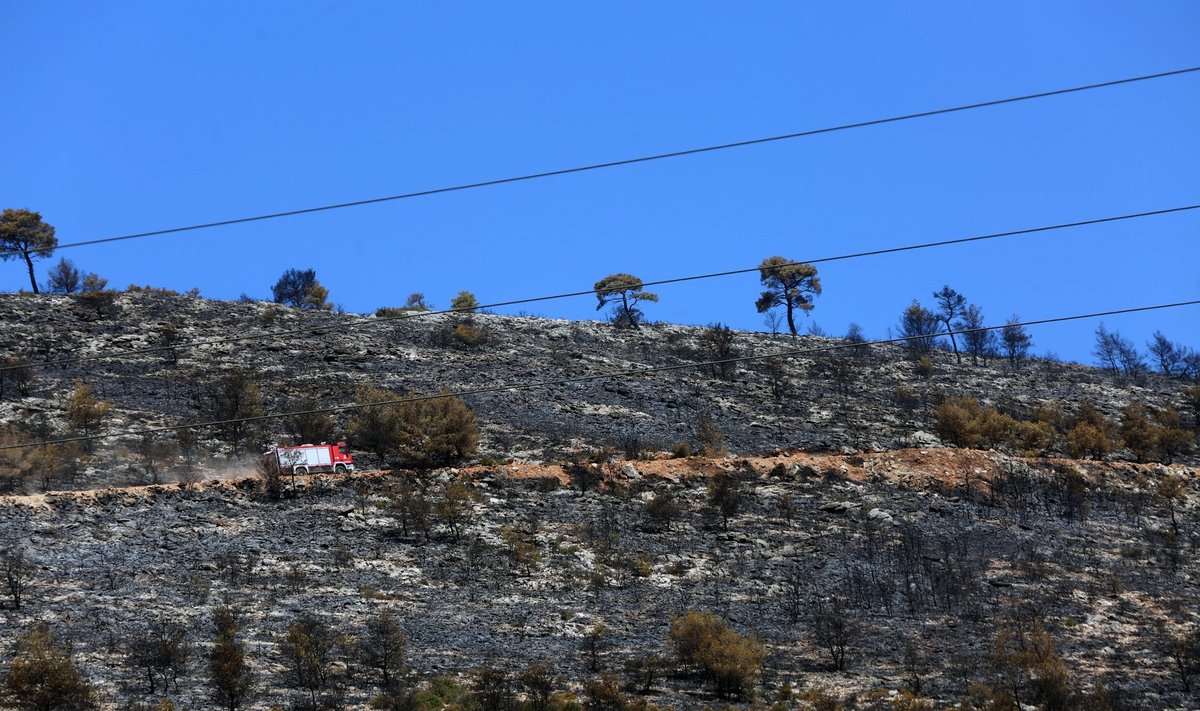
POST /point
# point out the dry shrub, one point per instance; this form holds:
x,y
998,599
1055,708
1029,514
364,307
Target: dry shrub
x,y
732,663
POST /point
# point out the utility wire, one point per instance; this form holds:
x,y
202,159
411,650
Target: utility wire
x,y
341,327
587,378
624,161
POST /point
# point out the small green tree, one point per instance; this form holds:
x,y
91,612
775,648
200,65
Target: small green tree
x,y
300,288
465,301
23,234
1091,434
382,647
435,432
789,284
373,427
64,278
85,411
230,676
455,508
624,292
1138,431
42,676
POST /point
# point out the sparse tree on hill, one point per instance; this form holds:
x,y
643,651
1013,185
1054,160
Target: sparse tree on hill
x,y
788,284
978,344
712,440
300,288
717,344
624,292
1016,342
1118,354
154,451
725,496
833,629
93,283
382,647
309,426
951,305
1138,431
17,571
426,432
1182,647
663,509
309,646
95,294
64,278
85,411
23,234
1169,357
455,508
161,653
230,676
18,372
230,399
919,326
1091,434
416,302
374,427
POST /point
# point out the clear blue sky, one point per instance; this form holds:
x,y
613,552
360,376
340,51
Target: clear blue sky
x,y
133,116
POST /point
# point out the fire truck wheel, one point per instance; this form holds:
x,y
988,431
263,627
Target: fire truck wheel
x,y
340,469
301,470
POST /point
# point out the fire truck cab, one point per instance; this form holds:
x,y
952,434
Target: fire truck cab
x,y
311,458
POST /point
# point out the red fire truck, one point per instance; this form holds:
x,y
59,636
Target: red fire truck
x,y
311,458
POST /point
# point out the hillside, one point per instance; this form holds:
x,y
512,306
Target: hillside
x,y
868,400
855,558
932,552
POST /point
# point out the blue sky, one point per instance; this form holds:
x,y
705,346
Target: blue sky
x,y
134,116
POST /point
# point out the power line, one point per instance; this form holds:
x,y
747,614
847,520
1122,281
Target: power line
x,y
624,161
341,327
587,378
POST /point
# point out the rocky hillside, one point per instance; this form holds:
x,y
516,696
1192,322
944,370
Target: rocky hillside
x,y
848,400
853,558
923,559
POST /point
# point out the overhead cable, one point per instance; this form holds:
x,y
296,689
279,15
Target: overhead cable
x,y
621,162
